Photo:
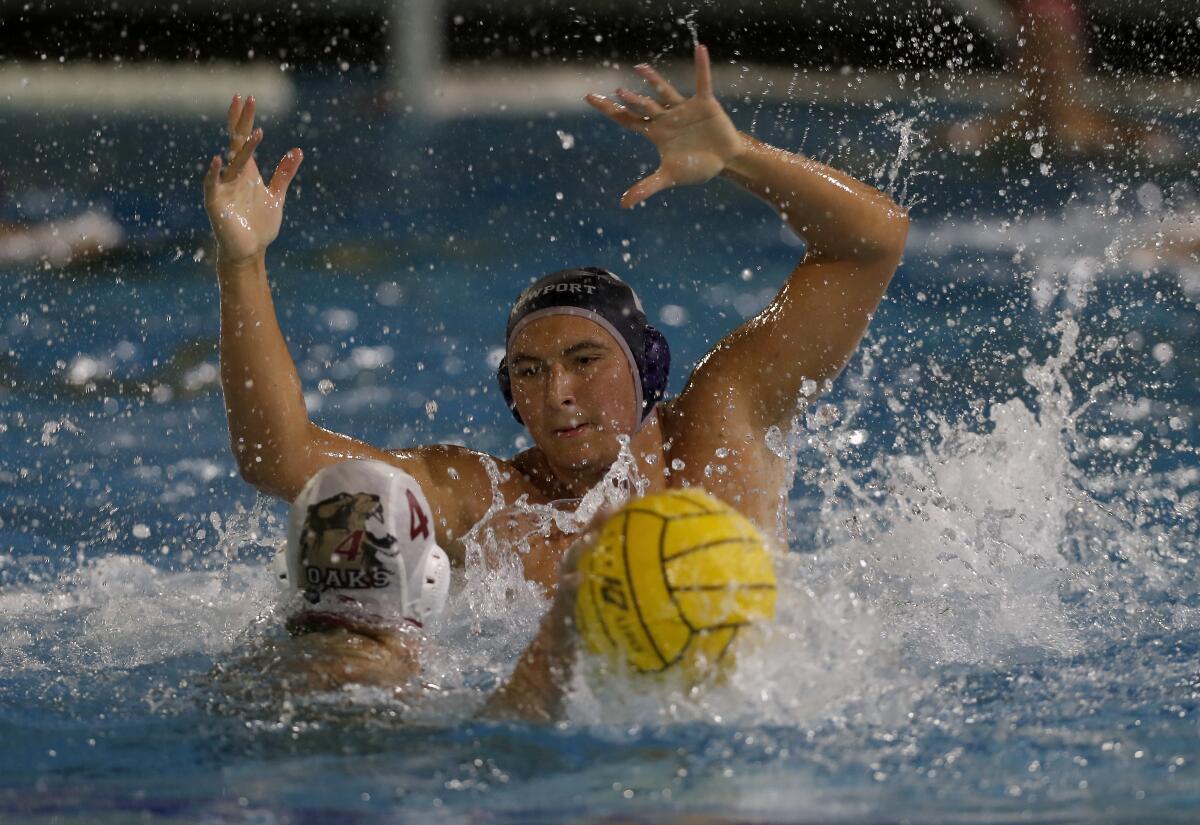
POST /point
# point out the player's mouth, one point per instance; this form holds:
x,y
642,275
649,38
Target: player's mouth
x,y
573,432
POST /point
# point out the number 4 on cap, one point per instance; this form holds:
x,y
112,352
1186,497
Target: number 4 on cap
x,y
418,524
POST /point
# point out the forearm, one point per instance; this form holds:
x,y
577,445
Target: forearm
x,y
264,402
534,692
839,218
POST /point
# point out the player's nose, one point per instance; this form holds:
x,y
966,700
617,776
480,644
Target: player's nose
x,y
561,386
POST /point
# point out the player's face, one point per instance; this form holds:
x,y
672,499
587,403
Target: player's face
x,y
573,387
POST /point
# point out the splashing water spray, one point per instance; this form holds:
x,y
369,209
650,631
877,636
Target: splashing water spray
x,y
896,171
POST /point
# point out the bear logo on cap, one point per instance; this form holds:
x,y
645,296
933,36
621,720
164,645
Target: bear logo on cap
x,y
337,550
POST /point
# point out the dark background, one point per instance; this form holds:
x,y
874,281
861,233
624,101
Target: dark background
x,y
1155,38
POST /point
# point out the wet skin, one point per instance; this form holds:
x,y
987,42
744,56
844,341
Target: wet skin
x,y
572,386
576,393
574,390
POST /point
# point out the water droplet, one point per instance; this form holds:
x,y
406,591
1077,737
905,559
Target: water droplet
x,y
673,315
1163,353
1150,197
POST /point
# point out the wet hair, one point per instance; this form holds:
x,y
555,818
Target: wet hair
x,y
601,297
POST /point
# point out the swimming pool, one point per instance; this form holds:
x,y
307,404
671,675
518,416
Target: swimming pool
x,y
993,611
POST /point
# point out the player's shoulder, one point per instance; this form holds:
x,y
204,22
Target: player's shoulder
x,y
453,463
459,483
695,423
721,450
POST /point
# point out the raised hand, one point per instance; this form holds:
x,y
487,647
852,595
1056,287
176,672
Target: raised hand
x,y
246,212
694,137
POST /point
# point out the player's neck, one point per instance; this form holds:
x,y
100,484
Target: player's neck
x,y
646,446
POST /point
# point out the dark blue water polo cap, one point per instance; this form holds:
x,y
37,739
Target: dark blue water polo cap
x,y
601,297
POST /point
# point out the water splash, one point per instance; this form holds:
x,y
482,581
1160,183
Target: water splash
x,y
119,611
897,172
982,544
246,533
986,546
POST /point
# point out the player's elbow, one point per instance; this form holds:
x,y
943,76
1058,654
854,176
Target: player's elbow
x,y
265,472
878,245
893,235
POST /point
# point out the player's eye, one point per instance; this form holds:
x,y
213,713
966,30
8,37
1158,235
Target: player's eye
x,y
528,371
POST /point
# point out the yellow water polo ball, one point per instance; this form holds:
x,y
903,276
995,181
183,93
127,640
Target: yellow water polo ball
x,y
671,581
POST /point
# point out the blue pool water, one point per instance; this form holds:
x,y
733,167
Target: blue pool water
x,y
990,613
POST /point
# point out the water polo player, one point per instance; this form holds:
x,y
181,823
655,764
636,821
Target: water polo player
x,y
583,367
667,584
364,570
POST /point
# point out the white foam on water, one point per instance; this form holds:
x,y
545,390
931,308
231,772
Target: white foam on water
x,y
962,557
120,611
958,552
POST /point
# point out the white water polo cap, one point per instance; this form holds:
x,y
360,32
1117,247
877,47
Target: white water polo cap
x,y
361,544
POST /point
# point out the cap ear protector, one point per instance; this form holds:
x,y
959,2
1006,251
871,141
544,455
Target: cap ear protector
x,y
654,377
658,368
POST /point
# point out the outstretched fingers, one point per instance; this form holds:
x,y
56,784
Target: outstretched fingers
x,y
285,172
241,121
646,106
615,111
665,91
235,112
243,156
211,177
645,188
703,72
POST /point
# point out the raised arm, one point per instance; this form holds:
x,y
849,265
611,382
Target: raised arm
x,y
276,446
854,234
855,237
